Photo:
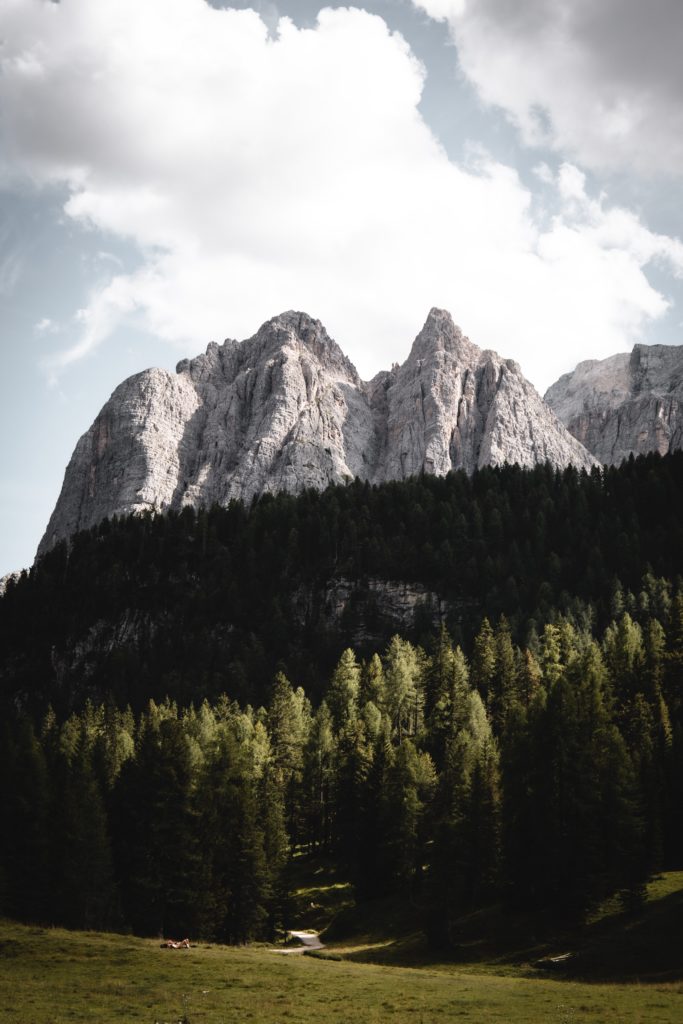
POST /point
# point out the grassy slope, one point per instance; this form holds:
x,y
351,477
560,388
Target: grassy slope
x,y
56,977
613,947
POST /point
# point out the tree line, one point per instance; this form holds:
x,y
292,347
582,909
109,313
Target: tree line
x,y
194,603
546,775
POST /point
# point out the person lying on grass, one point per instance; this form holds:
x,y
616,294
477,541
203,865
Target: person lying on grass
x,y
174,944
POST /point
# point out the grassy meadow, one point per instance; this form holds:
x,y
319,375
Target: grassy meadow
x,y
52,976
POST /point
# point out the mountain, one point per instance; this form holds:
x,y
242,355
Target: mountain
x,y
286,410
626,404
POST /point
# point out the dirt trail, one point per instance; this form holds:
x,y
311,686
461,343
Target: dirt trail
x,y
308,940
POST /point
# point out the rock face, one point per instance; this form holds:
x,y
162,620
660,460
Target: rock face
x,y
627,404
365,608
286,410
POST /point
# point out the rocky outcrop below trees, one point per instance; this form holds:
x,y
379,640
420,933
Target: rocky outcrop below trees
x,y
624,405
369,610
286,410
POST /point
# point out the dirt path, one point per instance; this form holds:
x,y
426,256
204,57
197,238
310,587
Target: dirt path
x,y
308,940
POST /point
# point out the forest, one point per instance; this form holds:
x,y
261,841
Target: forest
x,y
527,750
547,777
191,605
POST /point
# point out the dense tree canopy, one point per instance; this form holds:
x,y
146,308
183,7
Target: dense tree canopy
x,y
527,748
192,605
551,781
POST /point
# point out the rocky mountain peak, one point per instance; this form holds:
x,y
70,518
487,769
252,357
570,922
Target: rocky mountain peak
x,y
294,333
441,335
286,409
656,368
627,404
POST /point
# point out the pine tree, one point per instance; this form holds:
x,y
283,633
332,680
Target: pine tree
x,y
465,853
483,664
372,683
401,806
585,793
624,654
353,758
276,850
404,671
84,894
522,823
288,722
24,815
318,779
344,690
674,658
156,835
234,868
503,684
450,686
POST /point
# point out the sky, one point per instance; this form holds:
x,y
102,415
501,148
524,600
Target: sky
x,y
174,172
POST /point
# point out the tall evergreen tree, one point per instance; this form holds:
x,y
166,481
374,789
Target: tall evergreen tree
x,y
344,690
483,665
24,848
234,867
465,856
156,849
318,778
83,894
404,672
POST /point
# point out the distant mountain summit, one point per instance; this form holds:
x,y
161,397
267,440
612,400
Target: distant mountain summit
x,y
286,409
628,404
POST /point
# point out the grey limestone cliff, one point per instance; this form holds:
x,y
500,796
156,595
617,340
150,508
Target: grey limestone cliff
x,y
286,410
626,404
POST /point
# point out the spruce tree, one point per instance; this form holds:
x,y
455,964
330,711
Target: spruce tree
x,y
156,829
344,690
318,772
24,844
404,673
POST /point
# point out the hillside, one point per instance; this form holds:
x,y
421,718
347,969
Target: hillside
x,y
50,976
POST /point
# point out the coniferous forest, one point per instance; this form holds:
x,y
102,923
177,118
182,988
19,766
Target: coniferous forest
x,y
175,728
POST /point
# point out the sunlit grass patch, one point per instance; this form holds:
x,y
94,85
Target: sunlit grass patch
x,y
64,977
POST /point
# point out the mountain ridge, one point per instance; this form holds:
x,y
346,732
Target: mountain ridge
x,y
626,404
286,409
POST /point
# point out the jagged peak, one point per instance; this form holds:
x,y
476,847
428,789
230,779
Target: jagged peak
x,y
441,334
670,355
292,326
286,409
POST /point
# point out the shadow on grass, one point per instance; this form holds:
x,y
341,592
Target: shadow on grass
x,y
647,947
318,890
616,947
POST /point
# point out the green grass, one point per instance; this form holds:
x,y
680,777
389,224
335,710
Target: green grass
x,y
614,946
319,892
50,976
649,945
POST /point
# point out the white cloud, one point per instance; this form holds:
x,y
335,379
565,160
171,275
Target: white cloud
x,y
45,326
442,10
600,80
544,173
259,173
